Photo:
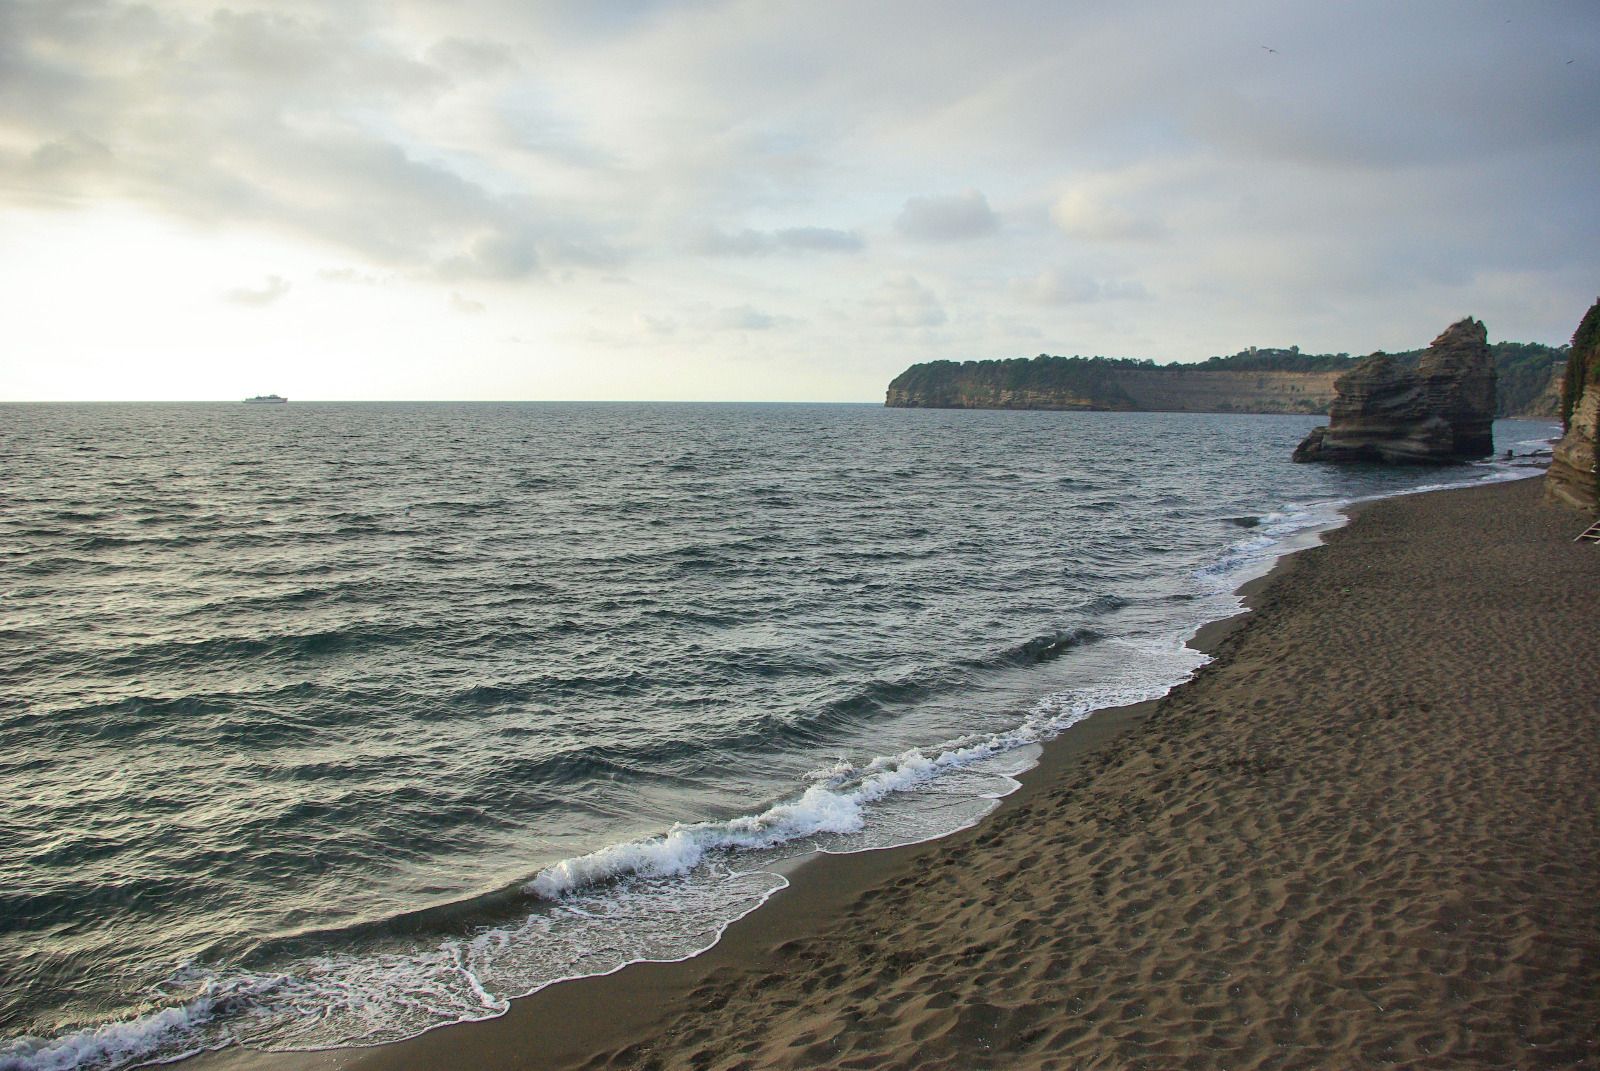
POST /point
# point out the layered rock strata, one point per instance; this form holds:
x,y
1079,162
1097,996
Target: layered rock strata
x,y
1572,477
1438,413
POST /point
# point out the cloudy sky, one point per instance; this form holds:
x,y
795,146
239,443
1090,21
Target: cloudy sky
x,y
767,200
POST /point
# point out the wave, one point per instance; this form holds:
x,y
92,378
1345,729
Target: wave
x,y
163,1036
276,646
836,803
1042,648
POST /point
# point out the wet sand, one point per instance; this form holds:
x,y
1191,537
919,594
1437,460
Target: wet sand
x,y
1367,835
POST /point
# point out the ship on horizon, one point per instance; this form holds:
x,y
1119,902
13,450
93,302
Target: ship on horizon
x,y
266,399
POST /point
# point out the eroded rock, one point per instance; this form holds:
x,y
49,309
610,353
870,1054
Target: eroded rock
x,y
1440,412
1571,477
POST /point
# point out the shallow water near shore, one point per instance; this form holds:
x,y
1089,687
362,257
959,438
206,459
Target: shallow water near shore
x,y
328,724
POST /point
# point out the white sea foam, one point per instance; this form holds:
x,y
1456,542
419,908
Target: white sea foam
x,y
162,1036
1299,526
837,801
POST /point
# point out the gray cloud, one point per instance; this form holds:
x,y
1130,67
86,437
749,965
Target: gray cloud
x,y
753,243
272,117
820,240
947,219
1391,166
270,291
472,59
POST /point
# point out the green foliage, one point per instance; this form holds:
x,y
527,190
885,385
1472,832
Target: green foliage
x,y
1275,360
1091,379
1524,371
1583,363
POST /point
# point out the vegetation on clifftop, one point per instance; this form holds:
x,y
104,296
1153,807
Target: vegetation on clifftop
x,y
1583,363
1527,373
1274,360
1084,380
1583,373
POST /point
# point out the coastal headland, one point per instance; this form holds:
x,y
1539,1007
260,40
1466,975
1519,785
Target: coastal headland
x,y
1367,834
1252,381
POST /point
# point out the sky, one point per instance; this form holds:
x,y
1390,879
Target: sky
x,y
708,200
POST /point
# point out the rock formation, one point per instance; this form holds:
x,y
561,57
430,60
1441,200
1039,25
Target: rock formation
x,y
1440,412
1528,382
1573,477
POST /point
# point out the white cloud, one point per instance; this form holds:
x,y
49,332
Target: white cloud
x,y
902,301
1094,211
1058,286
745,318
270,291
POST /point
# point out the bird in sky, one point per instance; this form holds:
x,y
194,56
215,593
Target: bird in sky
x,y
1272,50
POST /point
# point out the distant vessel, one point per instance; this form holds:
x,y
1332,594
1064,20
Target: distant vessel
x,y
266,399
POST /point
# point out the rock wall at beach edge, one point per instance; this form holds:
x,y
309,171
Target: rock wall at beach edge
x,y
1573,477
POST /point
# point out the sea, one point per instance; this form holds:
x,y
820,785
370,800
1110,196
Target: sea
x,y
328,724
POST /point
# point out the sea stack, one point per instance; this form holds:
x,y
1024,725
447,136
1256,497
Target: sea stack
x,y
1439,413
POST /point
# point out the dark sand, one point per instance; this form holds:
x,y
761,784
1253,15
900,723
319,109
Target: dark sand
x,y
1368,835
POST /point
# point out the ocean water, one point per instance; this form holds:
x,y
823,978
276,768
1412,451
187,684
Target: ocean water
x,y
326,724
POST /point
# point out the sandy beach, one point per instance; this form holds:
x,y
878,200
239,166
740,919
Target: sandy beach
x,y
1367,835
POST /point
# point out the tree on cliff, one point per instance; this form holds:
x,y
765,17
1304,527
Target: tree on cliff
x,y
1583,363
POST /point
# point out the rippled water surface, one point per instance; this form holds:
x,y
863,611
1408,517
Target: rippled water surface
x,y
326,723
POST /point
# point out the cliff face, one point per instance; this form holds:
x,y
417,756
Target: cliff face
x,y
998,396
1573,477
1077,384
1252,381
1043,382
1440,412
1184,390
1548,402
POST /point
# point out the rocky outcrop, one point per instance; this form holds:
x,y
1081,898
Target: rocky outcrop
x,y
1545,405
1043,382
1440,412
1528,382
1106,385
1571,477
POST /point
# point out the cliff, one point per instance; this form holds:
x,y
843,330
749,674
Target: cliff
x,y
1251,381
1573,477
1442,411
1044,382
1197,390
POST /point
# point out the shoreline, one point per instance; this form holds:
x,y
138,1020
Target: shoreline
x,y
819,886
658,1014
